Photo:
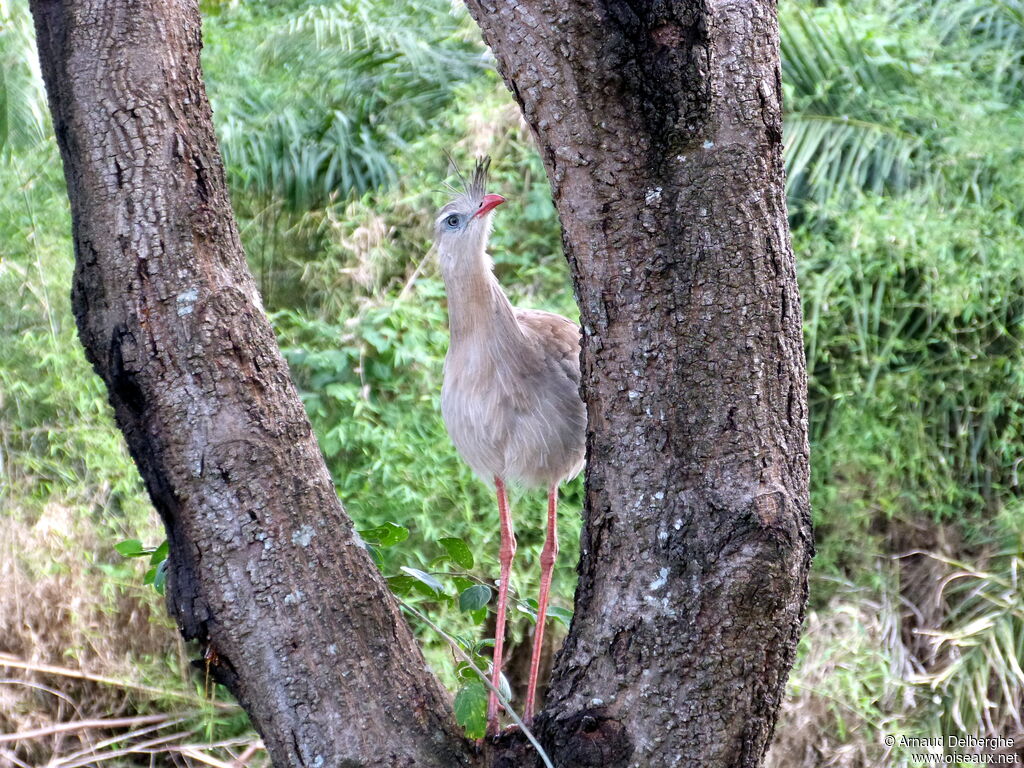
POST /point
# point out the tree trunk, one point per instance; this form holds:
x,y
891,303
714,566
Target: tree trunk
x,y
660,128
265,570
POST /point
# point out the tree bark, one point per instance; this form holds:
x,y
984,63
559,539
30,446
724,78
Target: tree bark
x,y
265,570
660,127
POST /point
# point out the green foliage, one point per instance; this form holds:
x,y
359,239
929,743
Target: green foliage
x,y
909,263
316,102
880,95
914,345
474,598
840,136
471,699
23,116
457,551
371,81
907,198
56,431
471,709
156,575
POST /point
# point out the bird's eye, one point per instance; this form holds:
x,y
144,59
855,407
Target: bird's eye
x,y
452,222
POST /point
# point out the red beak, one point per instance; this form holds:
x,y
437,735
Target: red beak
x,y
489,203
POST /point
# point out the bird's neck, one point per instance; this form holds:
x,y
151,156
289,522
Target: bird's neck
x,y
476,303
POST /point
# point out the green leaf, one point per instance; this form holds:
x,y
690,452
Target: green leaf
x,y
504,688
376,555
471,709
464,673
474,598
131,548
403,585
160,577
458,551
160,553
386,535
425,578
529,607
560,614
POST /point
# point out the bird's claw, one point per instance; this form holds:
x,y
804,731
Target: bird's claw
x,y
496,730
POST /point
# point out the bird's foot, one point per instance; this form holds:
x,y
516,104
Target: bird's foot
x,y
496,730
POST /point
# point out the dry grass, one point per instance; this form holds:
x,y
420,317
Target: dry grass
x,y
932,652
849,689
91,670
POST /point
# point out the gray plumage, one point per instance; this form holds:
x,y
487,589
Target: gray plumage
x,y
510,397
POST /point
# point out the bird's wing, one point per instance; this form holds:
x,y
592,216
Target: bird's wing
x,y
558,338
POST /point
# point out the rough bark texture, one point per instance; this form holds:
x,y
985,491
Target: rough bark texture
x,y
660,127
264,567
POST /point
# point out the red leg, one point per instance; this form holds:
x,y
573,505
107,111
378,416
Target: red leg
x,y
548,555
505,555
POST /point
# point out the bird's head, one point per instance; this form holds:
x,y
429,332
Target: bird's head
x,y
463,225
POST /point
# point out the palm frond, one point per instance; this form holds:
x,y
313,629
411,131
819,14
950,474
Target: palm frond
x,y
841,136
829,155
380,80
991,33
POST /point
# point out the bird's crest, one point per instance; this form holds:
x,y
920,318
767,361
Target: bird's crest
x,y
476,187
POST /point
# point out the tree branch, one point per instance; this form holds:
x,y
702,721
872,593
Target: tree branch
x,y
660,128
264,567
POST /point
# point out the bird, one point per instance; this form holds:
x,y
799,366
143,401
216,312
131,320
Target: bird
x,y
510,397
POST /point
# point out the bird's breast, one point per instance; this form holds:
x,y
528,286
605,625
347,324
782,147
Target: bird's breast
x,y
521,423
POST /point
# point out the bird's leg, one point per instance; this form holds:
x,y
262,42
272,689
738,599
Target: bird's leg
x,y
548,555
505,555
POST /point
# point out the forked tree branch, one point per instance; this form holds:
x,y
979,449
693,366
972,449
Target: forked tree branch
x,y
660,127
